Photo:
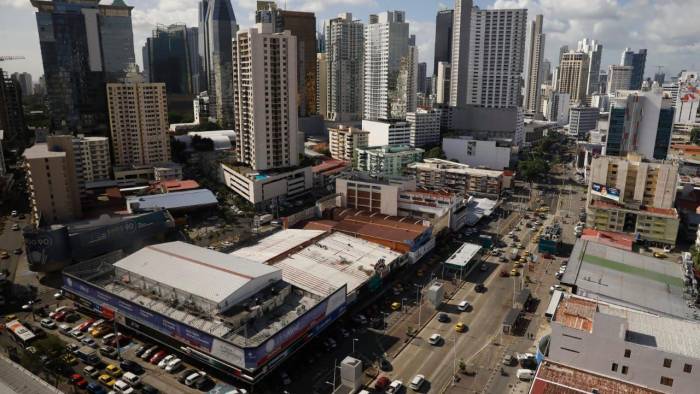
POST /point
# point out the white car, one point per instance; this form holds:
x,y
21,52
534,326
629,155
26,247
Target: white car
x,y
123,387
524,356
173,365
555,287
463,306
167,359
91,371
435,339
48,323
394,387
417,382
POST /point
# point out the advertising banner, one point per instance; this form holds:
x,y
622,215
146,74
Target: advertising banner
x,y
20,330
605,191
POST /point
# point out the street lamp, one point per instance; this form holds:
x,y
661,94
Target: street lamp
x,y
420,304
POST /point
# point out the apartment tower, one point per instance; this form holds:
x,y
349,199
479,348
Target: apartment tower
x,y
344,66
459,66
264,93
533,97
573,76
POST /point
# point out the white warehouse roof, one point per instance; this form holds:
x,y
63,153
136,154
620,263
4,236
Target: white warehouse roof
x,y
211,275
173,200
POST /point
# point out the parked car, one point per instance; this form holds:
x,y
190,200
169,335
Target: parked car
x,y
382,383
155,359
48,323
394,387
163,362
173,366
108,351
78,381
417,382
185,374
91,371
113,370
443,317
463,306
435,339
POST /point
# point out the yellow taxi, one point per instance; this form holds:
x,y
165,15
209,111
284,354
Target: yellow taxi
x,y
526,253
107,380
100,331
522,260
660,255
69,359
514,272
460,327
114,370
395,306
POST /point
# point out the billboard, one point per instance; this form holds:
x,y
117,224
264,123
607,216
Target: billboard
x,y
612,193
47,249
20,330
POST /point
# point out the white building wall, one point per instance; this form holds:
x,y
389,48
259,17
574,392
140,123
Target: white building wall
x,y
387,133
477,153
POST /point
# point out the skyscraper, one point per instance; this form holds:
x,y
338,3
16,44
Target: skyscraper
x,y
219,31
442,86
322,84
573,76
344,57
193,59
265,101
443,38
459,66
11,111
203,46
403,97
533,98
497,45
83,44
422,73
303,26
25,82
138,117
638,62
169,58
386,44
594,50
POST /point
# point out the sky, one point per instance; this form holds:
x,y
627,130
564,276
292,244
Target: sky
x,y
667,28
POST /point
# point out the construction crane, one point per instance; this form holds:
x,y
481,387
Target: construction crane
x,y
5,58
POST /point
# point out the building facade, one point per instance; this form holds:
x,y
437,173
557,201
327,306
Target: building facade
x,y
53,193
442,83
594,50
491,154
392,133
386,46
633,196
138,117
582,120
497,45
533,98
556,107
342,141
25,82
424,126
386,161
220,29
461,51
322,84
264,100
637,61
11,110
443,38
169,59
83,45
640,121
344,68
619,78
438,174
573,76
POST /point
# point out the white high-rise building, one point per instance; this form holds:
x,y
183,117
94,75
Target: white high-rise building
x,y
533,99
442,83
386,45
425,127
344,66
461,29
556,106
619,78
403,98
264,96
594,50
497,46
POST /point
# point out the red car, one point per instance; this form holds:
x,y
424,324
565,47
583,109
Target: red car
x,y
157,357
84,326
61,316
123,340
382,383
78,380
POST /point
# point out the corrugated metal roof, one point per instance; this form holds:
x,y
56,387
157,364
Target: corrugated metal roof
x,y
206,273
463,255
174,200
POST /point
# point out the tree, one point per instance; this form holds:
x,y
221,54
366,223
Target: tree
x,y
462,365
533,168
435,153
695,135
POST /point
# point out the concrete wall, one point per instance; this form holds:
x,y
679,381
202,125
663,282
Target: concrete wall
x,y
477,153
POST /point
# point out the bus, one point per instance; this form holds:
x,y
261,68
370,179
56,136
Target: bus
x,y
20,333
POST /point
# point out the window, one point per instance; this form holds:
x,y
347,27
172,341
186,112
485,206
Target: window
x,y
666,381
614,367
667,363
624,369
687,368
627,353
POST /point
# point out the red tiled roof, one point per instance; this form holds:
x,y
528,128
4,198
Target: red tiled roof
x,y
329,165
659,211
173,186
610,238
555,378
508,173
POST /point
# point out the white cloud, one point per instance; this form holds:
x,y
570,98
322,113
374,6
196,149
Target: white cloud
x,y
15,4
425,41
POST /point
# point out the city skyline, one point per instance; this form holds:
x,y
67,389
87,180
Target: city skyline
x,y
669,41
